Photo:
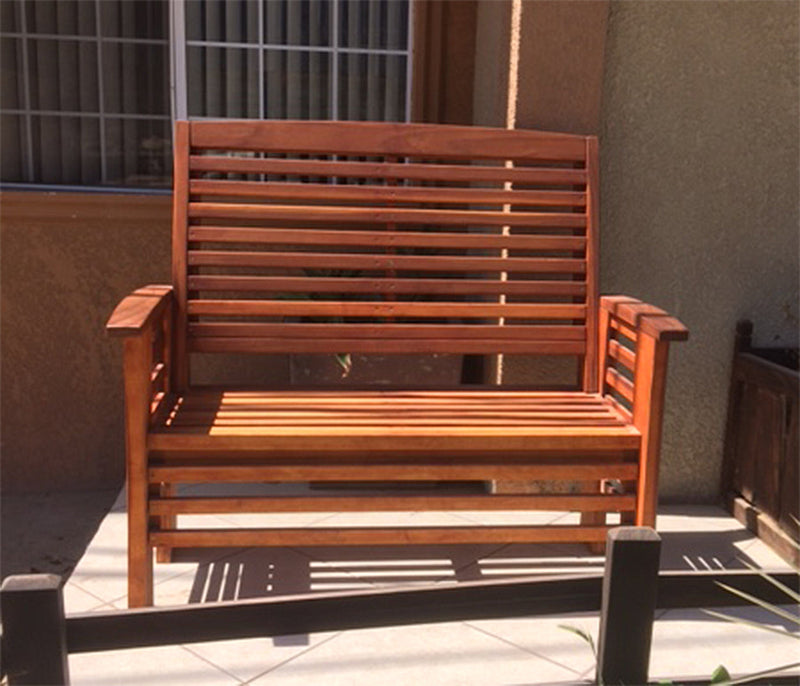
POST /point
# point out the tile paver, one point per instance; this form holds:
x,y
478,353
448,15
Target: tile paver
x,y
512,651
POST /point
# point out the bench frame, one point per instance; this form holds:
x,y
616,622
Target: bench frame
x,y
623,355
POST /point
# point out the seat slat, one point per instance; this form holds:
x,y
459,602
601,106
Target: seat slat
x,y
539,176
414,239
382,215
333,193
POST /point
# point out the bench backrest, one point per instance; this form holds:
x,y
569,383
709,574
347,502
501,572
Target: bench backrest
x,y
384,237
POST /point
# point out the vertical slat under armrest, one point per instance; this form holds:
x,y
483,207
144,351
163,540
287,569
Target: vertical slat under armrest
x,y
648,407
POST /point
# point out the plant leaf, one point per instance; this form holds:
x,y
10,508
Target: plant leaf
x,y
720,675
774,609
759,675
585,635
794,595
747,622
345,362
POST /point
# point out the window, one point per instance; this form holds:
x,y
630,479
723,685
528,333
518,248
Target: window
x,y
85,97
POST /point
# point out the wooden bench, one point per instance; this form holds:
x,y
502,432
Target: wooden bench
x,y
344,237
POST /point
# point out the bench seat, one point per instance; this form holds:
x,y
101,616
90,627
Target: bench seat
x,y
391,421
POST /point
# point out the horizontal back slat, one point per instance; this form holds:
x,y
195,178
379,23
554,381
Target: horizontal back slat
x,y
381,237
446,263
387,286
381,215
387,331
210,344
326,192
408,239
389,170
265,308
372,138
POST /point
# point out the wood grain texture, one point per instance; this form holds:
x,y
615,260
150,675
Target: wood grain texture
x,y
206,538
590,360
140,310
413,171
137,362
414,503
375,139
365,237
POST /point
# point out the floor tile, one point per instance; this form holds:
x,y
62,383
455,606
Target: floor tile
x,y
78,600
250,658
163,666
689,642
547,638
442,654
758,553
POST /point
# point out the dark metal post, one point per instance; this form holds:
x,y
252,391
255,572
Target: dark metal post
x,y
628,606
34,630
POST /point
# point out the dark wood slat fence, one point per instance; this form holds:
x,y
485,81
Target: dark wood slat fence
x,y
37,637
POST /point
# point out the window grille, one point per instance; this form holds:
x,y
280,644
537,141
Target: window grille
x,y
85,96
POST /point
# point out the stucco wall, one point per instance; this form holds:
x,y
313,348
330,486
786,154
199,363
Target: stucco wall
x,y
65,261
699,188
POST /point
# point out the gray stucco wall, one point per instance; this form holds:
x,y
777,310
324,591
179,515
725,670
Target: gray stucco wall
x,y
699,147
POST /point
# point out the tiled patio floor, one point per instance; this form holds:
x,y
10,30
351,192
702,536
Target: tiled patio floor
x,y
514,651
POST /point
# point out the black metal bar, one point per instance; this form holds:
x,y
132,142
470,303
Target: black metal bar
x,y
332,611
630,585
34,647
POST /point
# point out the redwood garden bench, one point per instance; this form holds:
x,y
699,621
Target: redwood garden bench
x,y
351,237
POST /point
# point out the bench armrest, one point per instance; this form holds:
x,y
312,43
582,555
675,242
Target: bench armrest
x,y
139,310
644,318
634,346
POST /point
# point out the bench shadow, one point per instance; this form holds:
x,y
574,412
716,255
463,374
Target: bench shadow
x,y
226,574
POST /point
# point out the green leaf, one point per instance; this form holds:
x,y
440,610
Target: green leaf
x,y
345,361
761,675
783,587
720,675
769,607
755,625
586,636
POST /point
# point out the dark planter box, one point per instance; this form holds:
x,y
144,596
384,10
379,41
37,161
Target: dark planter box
x,y
761,465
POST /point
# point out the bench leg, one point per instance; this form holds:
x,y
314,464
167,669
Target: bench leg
x,y
137,363
594,518
140,555
164,522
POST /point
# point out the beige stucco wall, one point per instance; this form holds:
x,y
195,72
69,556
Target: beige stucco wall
x,y
65,259
697,109
699,189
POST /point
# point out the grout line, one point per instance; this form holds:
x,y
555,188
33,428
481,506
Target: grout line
x,y
211,664
522,648
293,658
100,600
